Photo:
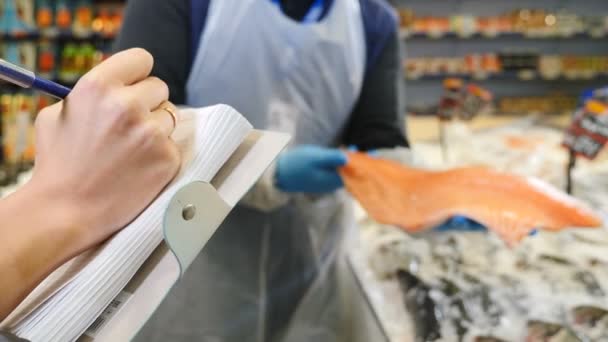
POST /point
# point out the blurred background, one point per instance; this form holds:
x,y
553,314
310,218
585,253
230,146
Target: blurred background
x,y
534,57
528,53
501,83
59,40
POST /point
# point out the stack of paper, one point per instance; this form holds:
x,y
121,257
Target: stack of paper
x,y
71,299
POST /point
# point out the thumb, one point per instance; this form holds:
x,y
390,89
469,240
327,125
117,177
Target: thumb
x,y
331,158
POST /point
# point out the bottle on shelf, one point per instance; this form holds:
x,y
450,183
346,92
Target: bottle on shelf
x,y
47,62
531,23
23,123
83,18
11,165
63,15
67,71
5,108
45,17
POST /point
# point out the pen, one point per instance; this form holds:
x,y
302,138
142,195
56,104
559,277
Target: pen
x,y
27,79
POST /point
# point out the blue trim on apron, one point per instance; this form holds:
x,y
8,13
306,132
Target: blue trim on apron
x,y
315,12
198,19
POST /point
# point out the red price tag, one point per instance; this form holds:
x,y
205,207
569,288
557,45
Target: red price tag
x,y
588,133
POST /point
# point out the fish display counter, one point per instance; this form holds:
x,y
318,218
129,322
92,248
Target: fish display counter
x,y
461,285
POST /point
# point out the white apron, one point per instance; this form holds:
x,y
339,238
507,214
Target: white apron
x,y
267,276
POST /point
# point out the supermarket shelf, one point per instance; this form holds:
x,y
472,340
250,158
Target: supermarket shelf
x,y
508,35
54,35
508,76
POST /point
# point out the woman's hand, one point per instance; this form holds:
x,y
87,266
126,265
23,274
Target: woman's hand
x,y
102,156
104,153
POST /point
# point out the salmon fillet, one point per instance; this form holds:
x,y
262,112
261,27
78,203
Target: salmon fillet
x,y
522,143
415,199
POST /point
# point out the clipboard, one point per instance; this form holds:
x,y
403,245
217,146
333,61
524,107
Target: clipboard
x,y
193,215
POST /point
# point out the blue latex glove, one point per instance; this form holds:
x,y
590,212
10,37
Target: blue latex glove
x,y
354,148
310,169
461,223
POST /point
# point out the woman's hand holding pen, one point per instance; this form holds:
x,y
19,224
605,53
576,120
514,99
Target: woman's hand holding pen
x,y
104,153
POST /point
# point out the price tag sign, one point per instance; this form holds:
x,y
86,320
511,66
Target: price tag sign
x,y
475,100
449,108
451,101
588,133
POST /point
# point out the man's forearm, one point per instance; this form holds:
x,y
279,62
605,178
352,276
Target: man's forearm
x,y
264,195
38,234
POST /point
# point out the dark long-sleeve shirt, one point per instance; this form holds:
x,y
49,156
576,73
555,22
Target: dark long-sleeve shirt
x,y
163,28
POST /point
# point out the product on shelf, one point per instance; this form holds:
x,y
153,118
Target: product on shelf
x,y
17,133
482,65
25,13
518,61
101,20
108,21
16,17
46,60
464,25
59,18
63,15
44,15
5,108
550,66
524,65
533,23
9,138
418,67
406,17
20,53
24,123
83,18
493,26
117,17
549,104
76,60
51,60
68,70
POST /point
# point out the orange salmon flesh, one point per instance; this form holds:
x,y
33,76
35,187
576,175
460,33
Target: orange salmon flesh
x,y
416,199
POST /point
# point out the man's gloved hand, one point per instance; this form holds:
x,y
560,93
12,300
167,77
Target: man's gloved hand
x,y
460,223
310,169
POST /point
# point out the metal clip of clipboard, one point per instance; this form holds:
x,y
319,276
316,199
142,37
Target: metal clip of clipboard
x,y
193,215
